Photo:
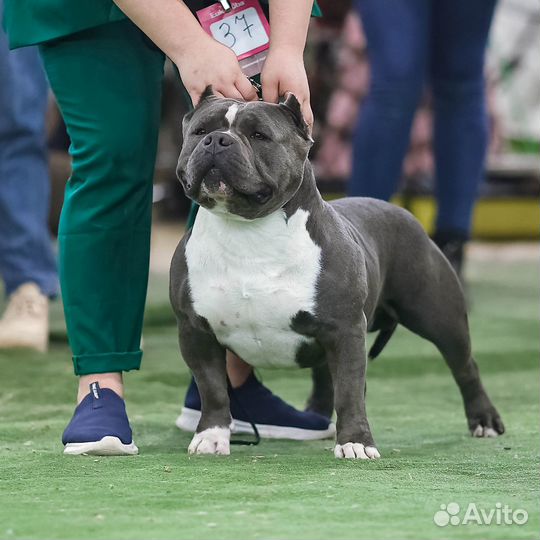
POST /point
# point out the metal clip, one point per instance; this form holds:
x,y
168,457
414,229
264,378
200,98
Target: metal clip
x,y
257,86
225,5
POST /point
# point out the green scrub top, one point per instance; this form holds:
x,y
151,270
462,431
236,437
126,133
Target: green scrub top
x,y
29,22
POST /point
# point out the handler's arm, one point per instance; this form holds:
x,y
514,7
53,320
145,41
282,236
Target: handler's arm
x,y
284,68
201,60
290,21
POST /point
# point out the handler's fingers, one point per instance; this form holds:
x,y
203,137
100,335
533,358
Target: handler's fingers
x,y
195,95
230,91
307,113
245,88
270,90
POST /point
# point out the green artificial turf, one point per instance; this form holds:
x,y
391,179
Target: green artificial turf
x,y
286,490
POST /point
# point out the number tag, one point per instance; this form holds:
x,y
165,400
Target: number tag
x,y
243,28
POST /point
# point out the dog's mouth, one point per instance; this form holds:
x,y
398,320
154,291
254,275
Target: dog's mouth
x,y
211,183
214,186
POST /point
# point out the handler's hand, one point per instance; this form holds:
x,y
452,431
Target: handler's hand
x,y
283,72
211,63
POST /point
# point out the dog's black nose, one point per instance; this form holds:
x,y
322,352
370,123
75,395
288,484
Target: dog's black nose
x,y
217,142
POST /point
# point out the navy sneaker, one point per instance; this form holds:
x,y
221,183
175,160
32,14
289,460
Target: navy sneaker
x,y
100,426
253,402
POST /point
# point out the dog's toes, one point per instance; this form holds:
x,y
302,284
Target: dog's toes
x,y
350,451
484,431
372,452
498,425
223,447
355,451
478,431
211,441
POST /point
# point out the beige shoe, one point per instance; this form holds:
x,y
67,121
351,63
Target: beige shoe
x,y
26,320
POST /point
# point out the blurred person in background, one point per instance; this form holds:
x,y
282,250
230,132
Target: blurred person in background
x,y
411,42
27,260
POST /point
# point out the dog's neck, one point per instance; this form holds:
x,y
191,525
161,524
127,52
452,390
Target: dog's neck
x,y
307,197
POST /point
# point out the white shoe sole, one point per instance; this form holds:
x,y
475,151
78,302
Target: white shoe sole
x,y
189,420
108,446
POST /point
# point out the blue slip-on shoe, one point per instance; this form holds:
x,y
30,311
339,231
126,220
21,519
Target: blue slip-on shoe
x,y
100,426
253,402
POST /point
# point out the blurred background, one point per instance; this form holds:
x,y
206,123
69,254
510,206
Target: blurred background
x,y
339,73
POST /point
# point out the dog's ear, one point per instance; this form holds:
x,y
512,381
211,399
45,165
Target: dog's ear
x,y
185,120
207,95
290,104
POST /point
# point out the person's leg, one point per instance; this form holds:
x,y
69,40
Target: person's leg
x,y
107,82
26,252
459,36
27,261
398,43
237,370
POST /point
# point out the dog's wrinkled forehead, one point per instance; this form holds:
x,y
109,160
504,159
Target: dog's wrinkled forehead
x,y
276,121
237,116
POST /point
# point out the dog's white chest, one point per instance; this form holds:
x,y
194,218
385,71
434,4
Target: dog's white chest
x,y
248,279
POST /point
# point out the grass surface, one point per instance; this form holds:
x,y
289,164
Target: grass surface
x,y
284,489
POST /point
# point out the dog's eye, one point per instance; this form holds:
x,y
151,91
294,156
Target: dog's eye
x,y
200,131
259,136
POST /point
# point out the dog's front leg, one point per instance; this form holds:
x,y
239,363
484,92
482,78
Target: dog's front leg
x,y
206,359
347,359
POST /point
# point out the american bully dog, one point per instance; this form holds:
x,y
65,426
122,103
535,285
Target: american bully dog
x,y
277,275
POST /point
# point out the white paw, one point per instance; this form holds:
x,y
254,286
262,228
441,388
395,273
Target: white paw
x,y
211,441
355,451
481,431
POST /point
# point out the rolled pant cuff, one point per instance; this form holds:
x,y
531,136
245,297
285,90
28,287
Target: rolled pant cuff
x,y
87,364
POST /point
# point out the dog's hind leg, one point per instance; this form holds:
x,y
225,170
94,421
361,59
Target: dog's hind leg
x,y
321,399
436,310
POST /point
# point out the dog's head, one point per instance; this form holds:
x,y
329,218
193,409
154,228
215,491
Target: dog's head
x,y
244,159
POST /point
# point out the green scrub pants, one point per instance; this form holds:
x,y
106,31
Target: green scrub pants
x,y
107,81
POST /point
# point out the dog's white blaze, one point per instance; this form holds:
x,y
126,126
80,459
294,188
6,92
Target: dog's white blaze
x,y
249,278
230,115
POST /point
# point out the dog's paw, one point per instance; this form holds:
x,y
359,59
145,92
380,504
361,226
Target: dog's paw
x,y
486,422
211,441
355,451
482,431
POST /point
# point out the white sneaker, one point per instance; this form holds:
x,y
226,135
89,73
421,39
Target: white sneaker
x,y
26,320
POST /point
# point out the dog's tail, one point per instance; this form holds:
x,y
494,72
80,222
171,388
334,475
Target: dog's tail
x,y
383,337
